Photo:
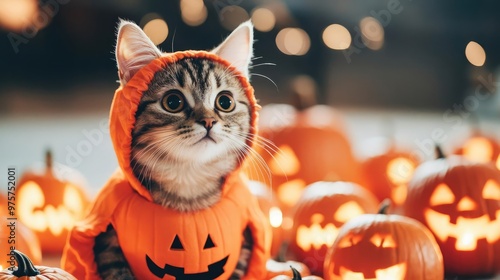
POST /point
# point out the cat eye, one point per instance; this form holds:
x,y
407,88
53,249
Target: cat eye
x,y
173,101
225,102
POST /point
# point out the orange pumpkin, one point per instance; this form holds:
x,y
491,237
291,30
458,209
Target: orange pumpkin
x,y
305,146
49,205
321,210
27,271
296,275
275,268
381,246
481,148
269,206
459,201
387,171
15,235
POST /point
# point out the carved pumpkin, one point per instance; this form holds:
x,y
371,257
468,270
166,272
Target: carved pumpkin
x,y
381,246
481,148
387,172
296,275
321,210
21,239
307,146
269,206
459,201
49,205
27,271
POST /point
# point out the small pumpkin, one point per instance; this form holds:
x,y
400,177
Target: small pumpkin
x,y
296,275
382,246
49,204
459,201
22,238
27,271
321,210
275,268
388,170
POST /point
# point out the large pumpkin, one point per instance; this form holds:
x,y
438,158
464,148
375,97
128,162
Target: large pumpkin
x,y
321,210
269,206
481,148
381,246
49,204
305,146
459,201
15,235
387,171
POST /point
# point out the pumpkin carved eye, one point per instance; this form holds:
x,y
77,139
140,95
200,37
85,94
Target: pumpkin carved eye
x,y
442,195
383,241
349,240
491,190
209,243
177,244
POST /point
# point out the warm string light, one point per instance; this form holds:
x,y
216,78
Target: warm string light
x,y
16,15
232,16
372,33
475,53
263,19
293,41
337,37
193,12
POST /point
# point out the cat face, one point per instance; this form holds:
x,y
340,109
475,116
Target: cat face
x,y
193,111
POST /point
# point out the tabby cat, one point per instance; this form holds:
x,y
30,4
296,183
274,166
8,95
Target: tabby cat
x,y
191,129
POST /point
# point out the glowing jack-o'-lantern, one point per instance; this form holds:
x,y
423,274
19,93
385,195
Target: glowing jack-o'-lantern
x,y
49,205
481,148
15,235
321,210
381,246
269,206
388,172
459,201
305,147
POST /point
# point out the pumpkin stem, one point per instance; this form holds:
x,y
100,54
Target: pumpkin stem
x,y
384,206
296,274
439,152
303,92
48,161
24,265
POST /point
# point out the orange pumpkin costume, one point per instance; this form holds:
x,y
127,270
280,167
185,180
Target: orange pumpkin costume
x,y
159,242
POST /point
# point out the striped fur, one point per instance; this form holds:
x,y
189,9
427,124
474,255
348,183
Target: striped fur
x,y
174,155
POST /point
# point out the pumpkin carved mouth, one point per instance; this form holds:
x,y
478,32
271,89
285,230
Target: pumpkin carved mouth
x,y
395,272
214,270
467,231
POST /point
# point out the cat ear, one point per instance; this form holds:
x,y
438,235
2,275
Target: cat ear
x,y
134,50
238,47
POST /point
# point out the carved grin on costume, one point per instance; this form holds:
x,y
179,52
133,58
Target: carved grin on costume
x,y
214,270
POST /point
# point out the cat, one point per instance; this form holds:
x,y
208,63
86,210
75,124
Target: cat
x,y
191,129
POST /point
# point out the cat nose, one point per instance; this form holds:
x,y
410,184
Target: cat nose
x,y
207,122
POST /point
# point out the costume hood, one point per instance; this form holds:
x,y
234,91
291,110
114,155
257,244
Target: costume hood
x,y
127,98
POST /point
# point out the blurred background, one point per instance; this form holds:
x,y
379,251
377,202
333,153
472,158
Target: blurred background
x,y
404,68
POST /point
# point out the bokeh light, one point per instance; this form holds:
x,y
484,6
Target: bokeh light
x,y
155,27
263,19
193,12
15,15
293,41
372,33
232,16
475,53
337,37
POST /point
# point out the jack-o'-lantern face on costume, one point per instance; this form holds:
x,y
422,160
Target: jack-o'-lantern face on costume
x,y
459,201
322,209
379,246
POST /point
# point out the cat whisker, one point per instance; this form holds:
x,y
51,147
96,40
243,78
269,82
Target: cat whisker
x,y
267,78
